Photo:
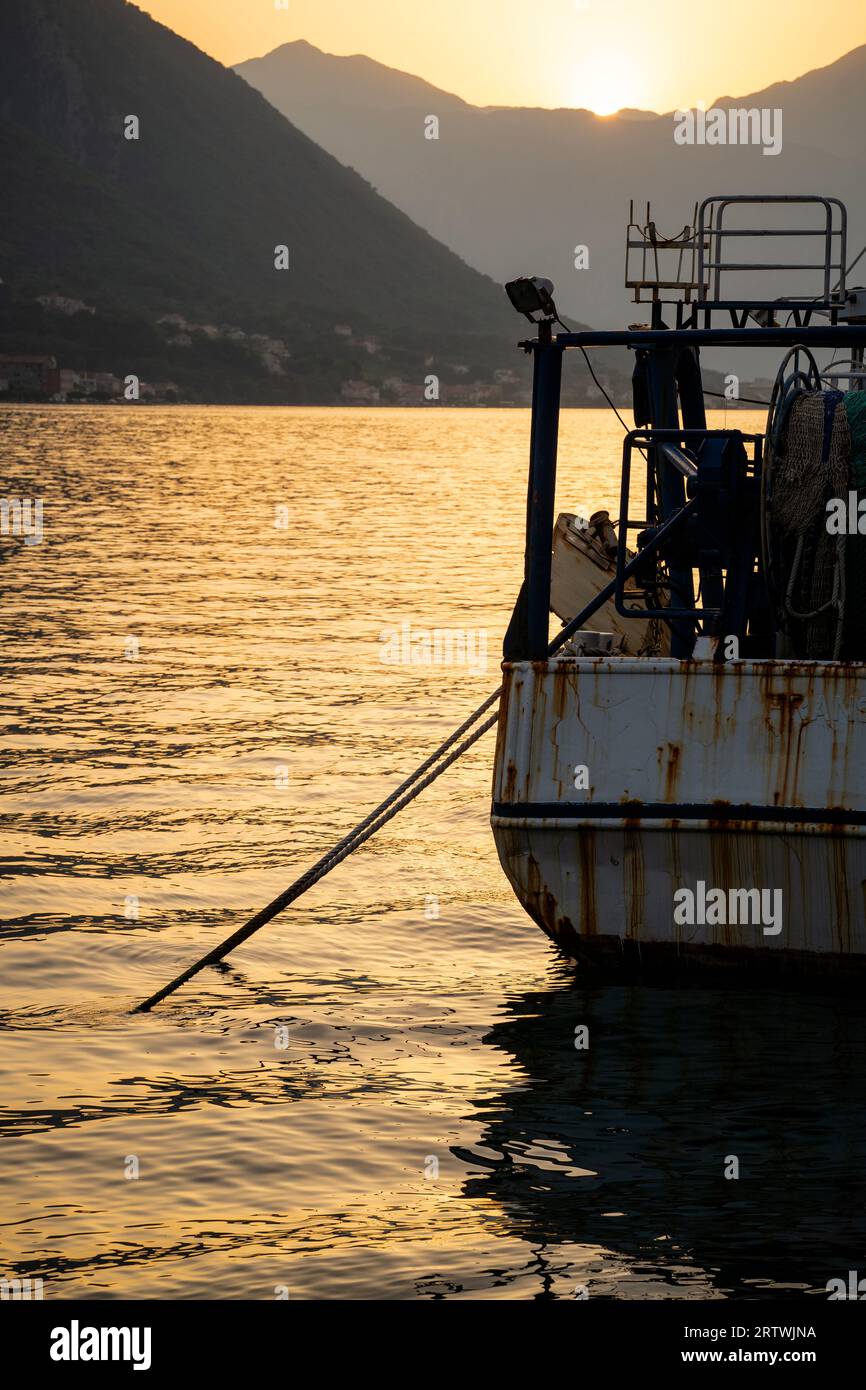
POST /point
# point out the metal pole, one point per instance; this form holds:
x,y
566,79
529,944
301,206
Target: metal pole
x,y
547,379
662,365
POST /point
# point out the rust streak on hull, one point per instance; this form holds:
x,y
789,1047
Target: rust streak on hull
x,y
699,738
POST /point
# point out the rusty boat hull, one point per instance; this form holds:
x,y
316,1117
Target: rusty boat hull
x,y
618,782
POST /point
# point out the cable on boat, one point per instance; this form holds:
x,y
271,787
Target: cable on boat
x,y
600,387
749,400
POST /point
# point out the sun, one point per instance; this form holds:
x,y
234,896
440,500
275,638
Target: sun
x,y
606,82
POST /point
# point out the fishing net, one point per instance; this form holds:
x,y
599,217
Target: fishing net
x,y
802,479
823,581
855,409
855,549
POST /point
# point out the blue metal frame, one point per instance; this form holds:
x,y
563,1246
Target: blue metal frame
x,y
670,359
652,439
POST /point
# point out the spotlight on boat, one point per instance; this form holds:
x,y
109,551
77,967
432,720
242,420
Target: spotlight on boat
x,y
765,317
531,295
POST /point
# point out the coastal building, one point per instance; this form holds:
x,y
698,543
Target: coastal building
x,y
27,374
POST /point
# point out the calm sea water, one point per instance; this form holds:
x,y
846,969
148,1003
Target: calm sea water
x,y
292,1118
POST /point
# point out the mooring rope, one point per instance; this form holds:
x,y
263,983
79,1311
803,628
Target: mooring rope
x,y
423,775
362,832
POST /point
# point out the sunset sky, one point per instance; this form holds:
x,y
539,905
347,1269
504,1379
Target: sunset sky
x,y
602,54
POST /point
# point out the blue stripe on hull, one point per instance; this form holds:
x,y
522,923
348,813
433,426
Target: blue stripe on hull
x,y
680,810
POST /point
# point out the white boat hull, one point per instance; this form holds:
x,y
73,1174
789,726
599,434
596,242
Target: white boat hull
x,y
714,779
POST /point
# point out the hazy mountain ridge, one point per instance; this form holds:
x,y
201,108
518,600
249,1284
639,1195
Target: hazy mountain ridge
x,y
514,190
311,67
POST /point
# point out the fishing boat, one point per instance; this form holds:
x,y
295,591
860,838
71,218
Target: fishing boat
x,y
677,777
679,772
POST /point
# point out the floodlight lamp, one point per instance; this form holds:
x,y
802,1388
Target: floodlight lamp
x,y
532,295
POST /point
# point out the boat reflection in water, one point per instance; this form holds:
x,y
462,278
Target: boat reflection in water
x,y
621,1147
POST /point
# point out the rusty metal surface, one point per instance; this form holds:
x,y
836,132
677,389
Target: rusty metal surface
x,y
692,736
765,732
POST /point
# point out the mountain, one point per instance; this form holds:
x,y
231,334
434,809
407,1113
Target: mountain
x,y
368,84
182,223
823,108
515,190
